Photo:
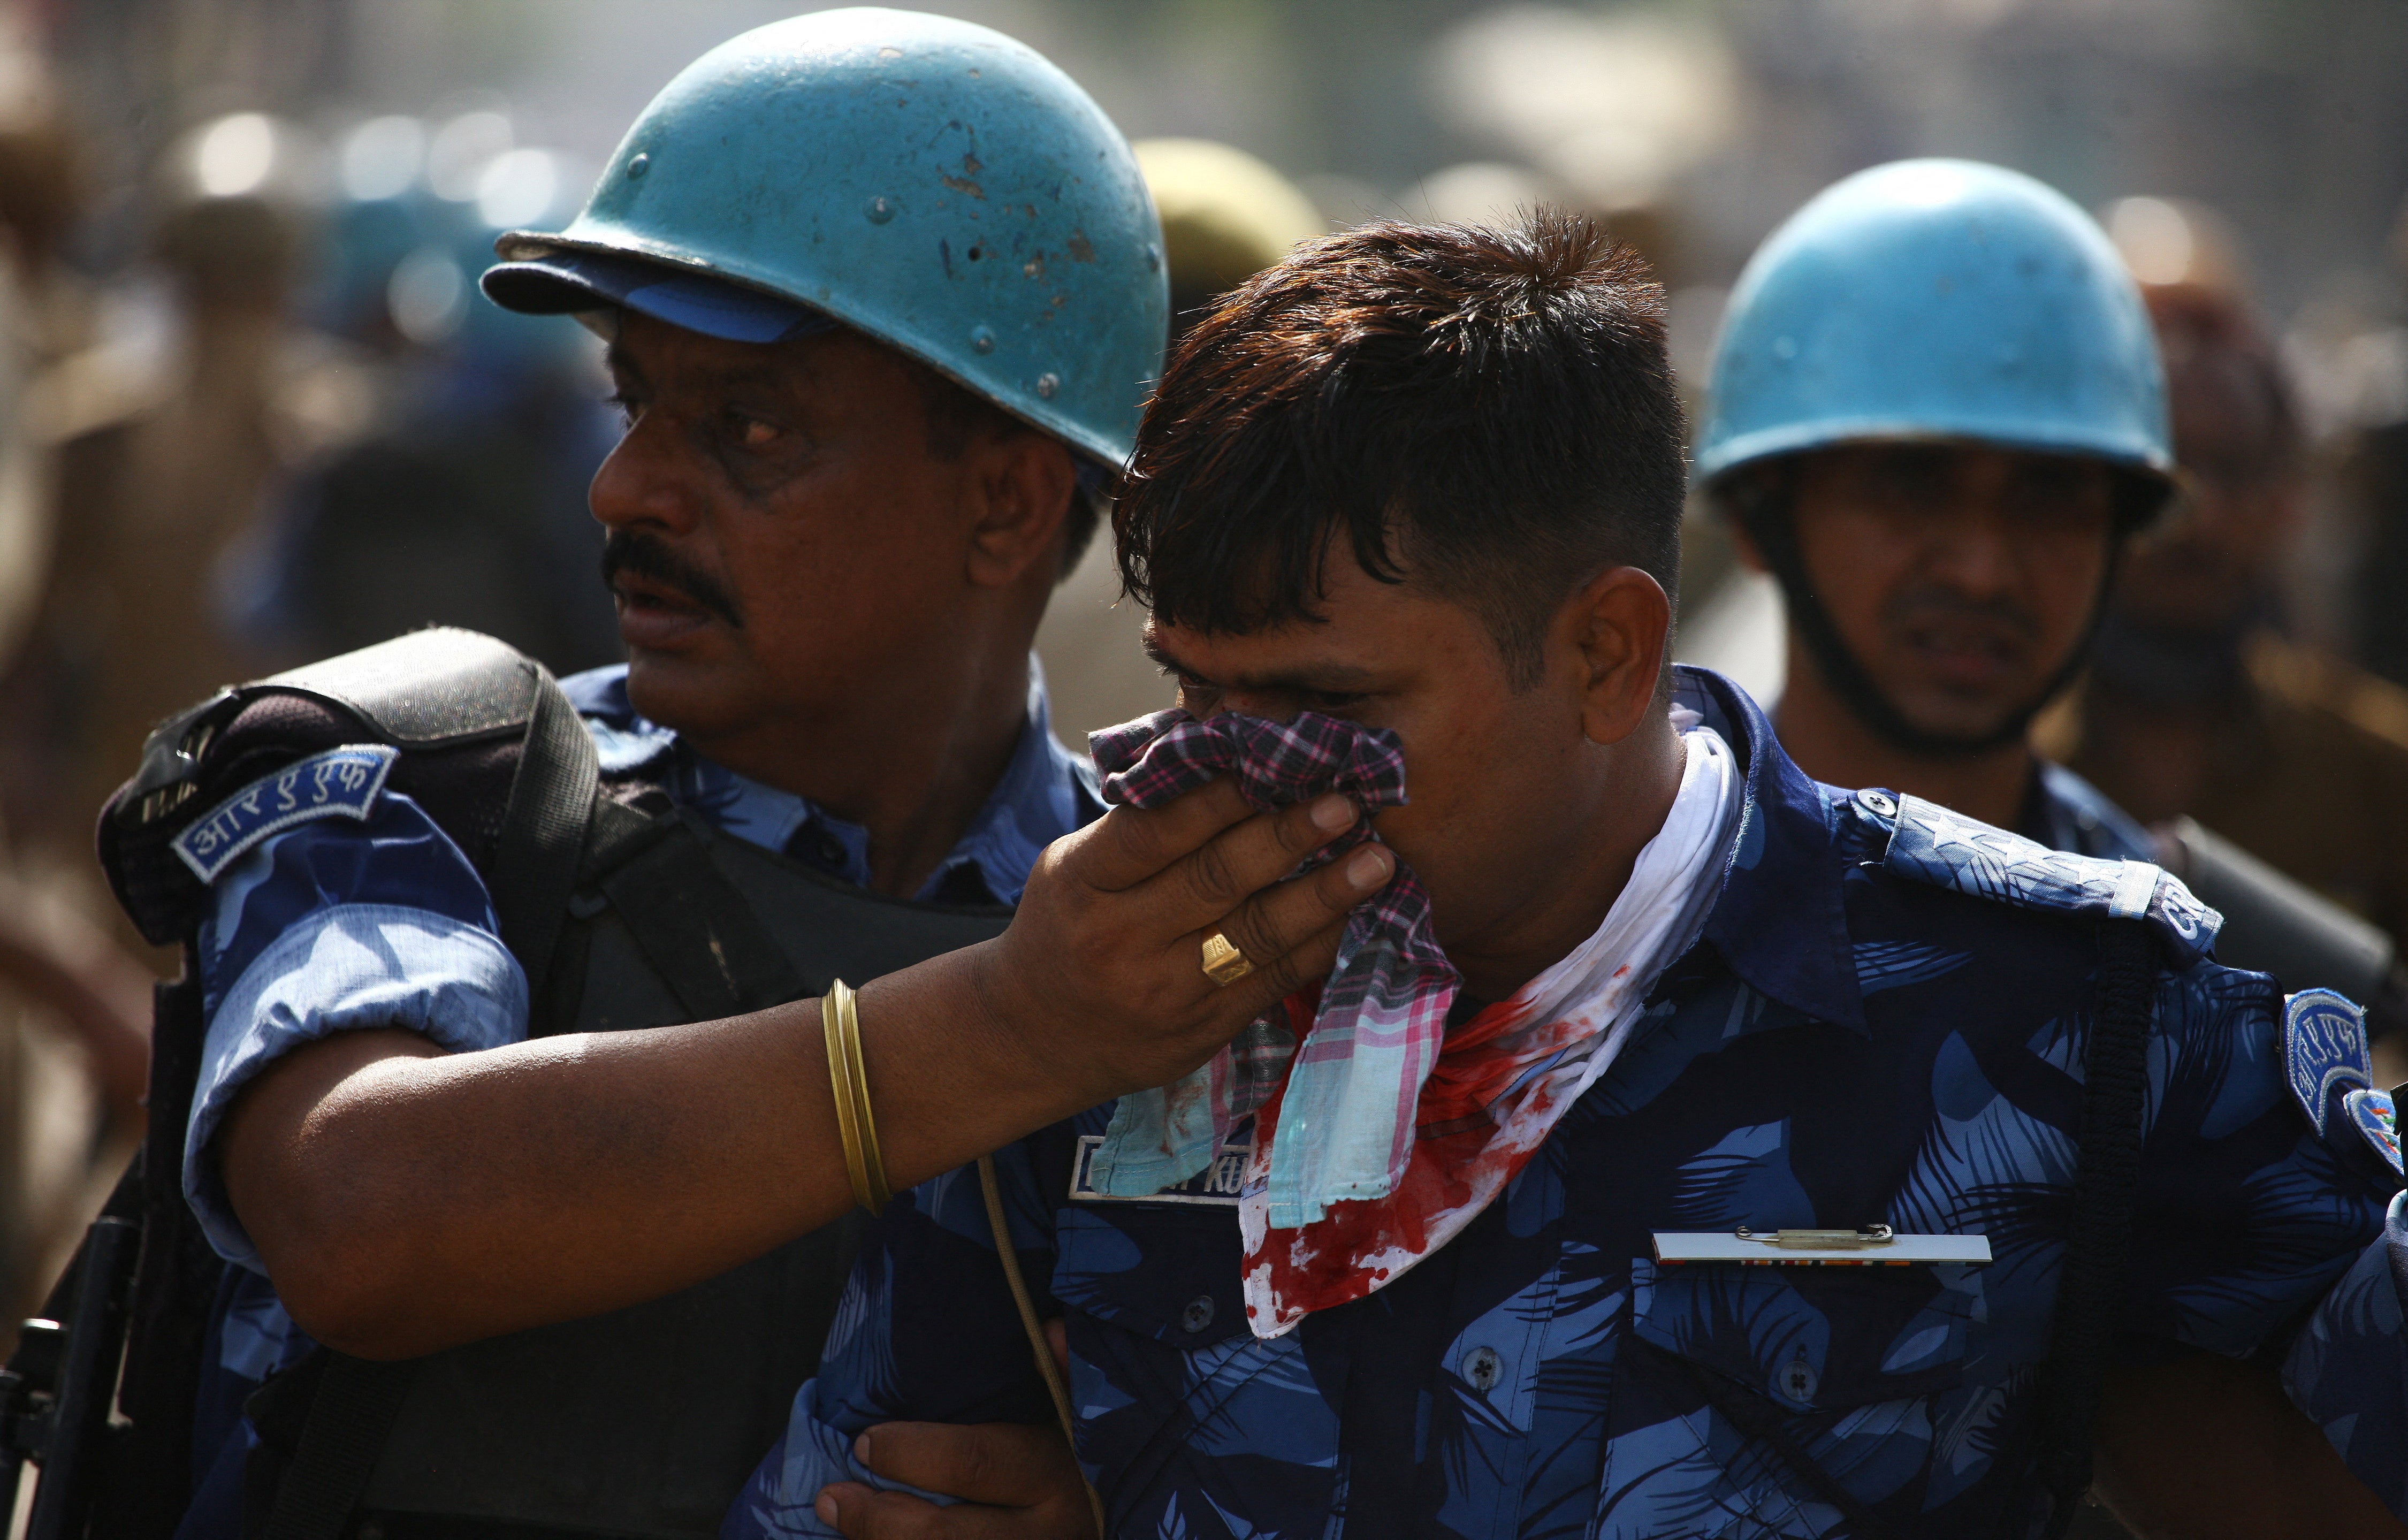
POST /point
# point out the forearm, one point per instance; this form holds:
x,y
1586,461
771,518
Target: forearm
x,y
404,1202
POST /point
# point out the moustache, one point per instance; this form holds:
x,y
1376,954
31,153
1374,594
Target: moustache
x,y
647,555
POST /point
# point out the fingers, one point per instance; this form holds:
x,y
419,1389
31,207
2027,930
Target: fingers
x,y
1290,932
1007,1464
1247,857
864,1513
1127,845
1019,1483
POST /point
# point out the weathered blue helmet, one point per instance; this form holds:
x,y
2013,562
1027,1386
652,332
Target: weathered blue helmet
x,y
926,181
1937,299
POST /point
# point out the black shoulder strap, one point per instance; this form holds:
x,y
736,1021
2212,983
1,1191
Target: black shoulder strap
x,y
692,925
534,873
543,828
2090,1289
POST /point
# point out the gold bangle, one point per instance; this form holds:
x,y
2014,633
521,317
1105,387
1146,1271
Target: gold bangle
x,y
840,1020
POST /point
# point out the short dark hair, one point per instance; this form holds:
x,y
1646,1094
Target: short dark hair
x,y
954,414
1487,410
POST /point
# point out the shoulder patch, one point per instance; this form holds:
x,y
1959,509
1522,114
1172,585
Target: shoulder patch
x,y
343,782
2324,1050
1218,1183
2377,1122
1932,844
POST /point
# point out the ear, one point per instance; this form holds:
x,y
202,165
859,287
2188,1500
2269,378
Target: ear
x,y
1019,490
1621,624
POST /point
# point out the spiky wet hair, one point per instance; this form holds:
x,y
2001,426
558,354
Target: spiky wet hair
x,y
1487,412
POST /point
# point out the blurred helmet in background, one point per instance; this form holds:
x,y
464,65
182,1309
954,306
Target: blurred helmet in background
x,y
1937,299
931,183
416,220
1226,216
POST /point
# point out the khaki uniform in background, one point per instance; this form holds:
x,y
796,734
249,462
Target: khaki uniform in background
x,y
2309,773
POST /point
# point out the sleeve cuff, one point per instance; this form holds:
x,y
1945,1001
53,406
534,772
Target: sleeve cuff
x,y
343,967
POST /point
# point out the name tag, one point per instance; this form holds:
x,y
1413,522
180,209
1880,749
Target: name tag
x,y
339,783
1876,1246
1218,1183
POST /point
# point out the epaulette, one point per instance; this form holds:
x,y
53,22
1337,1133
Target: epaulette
x,y
442,711
1928,844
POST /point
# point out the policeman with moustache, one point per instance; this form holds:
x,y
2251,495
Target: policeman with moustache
x,y
1938,417
438,1242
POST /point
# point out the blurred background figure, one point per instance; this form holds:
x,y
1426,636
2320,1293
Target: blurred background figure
x,y
168,441
2198,704
74,1005
2372,483
1226,216
463,504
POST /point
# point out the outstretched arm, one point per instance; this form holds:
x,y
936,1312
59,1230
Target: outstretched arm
x,y
405,1200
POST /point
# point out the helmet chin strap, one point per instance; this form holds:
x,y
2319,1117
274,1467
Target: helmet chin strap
x,y
1768,517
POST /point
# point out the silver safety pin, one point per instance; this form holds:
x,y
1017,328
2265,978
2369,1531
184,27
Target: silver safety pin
x,y
1822,1240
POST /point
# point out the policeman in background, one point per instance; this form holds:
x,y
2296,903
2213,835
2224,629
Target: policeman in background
x,y
882,291
2197,706
1937,418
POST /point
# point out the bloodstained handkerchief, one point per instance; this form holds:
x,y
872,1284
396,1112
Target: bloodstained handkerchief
x,y
1374,1037
1479,1100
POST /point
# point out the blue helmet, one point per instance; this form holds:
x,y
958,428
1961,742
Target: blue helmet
x,y
1937,299
926,181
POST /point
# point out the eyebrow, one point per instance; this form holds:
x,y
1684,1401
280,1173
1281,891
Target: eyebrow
x,y
1326,677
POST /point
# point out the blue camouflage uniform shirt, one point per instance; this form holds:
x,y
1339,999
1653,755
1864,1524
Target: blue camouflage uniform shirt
x,y
1884,1022
335,923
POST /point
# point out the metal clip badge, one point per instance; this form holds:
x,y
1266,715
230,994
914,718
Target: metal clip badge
x,y
1869,1245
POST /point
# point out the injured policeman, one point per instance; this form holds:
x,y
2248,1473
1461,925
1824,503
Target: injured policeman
x,y
1513,1225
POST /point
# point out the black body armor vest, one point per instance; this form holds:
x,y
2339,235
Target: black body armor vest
x,y
646,1422
626,912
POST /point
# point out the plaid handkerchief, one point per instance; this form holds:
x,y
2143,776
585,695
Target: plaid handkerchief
x,y
1374,1036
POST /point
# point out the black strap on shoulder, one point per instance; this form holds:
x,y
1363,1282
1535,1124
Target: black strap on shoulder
x,y
534,873
693,926
543,828
350,1411
2090,1289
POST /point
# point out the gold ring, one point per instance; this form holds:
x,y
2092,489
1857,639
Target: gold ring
x,y
1224,964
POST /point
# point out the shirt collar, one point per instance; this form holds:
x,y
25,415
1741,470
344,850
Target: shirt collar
x,y
1780,921
1045,793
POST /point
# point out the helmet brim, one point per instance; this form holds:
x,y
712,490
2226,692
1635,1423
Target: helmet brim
x,y
564,283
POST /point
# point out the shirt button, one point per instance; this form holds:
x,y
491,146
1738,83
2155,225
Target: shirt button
x,y
1199,1313
1484,1369
1798,1381
1880,805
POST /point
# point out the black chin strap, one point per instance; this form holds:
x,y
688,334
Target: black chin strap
x,y
1766,514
